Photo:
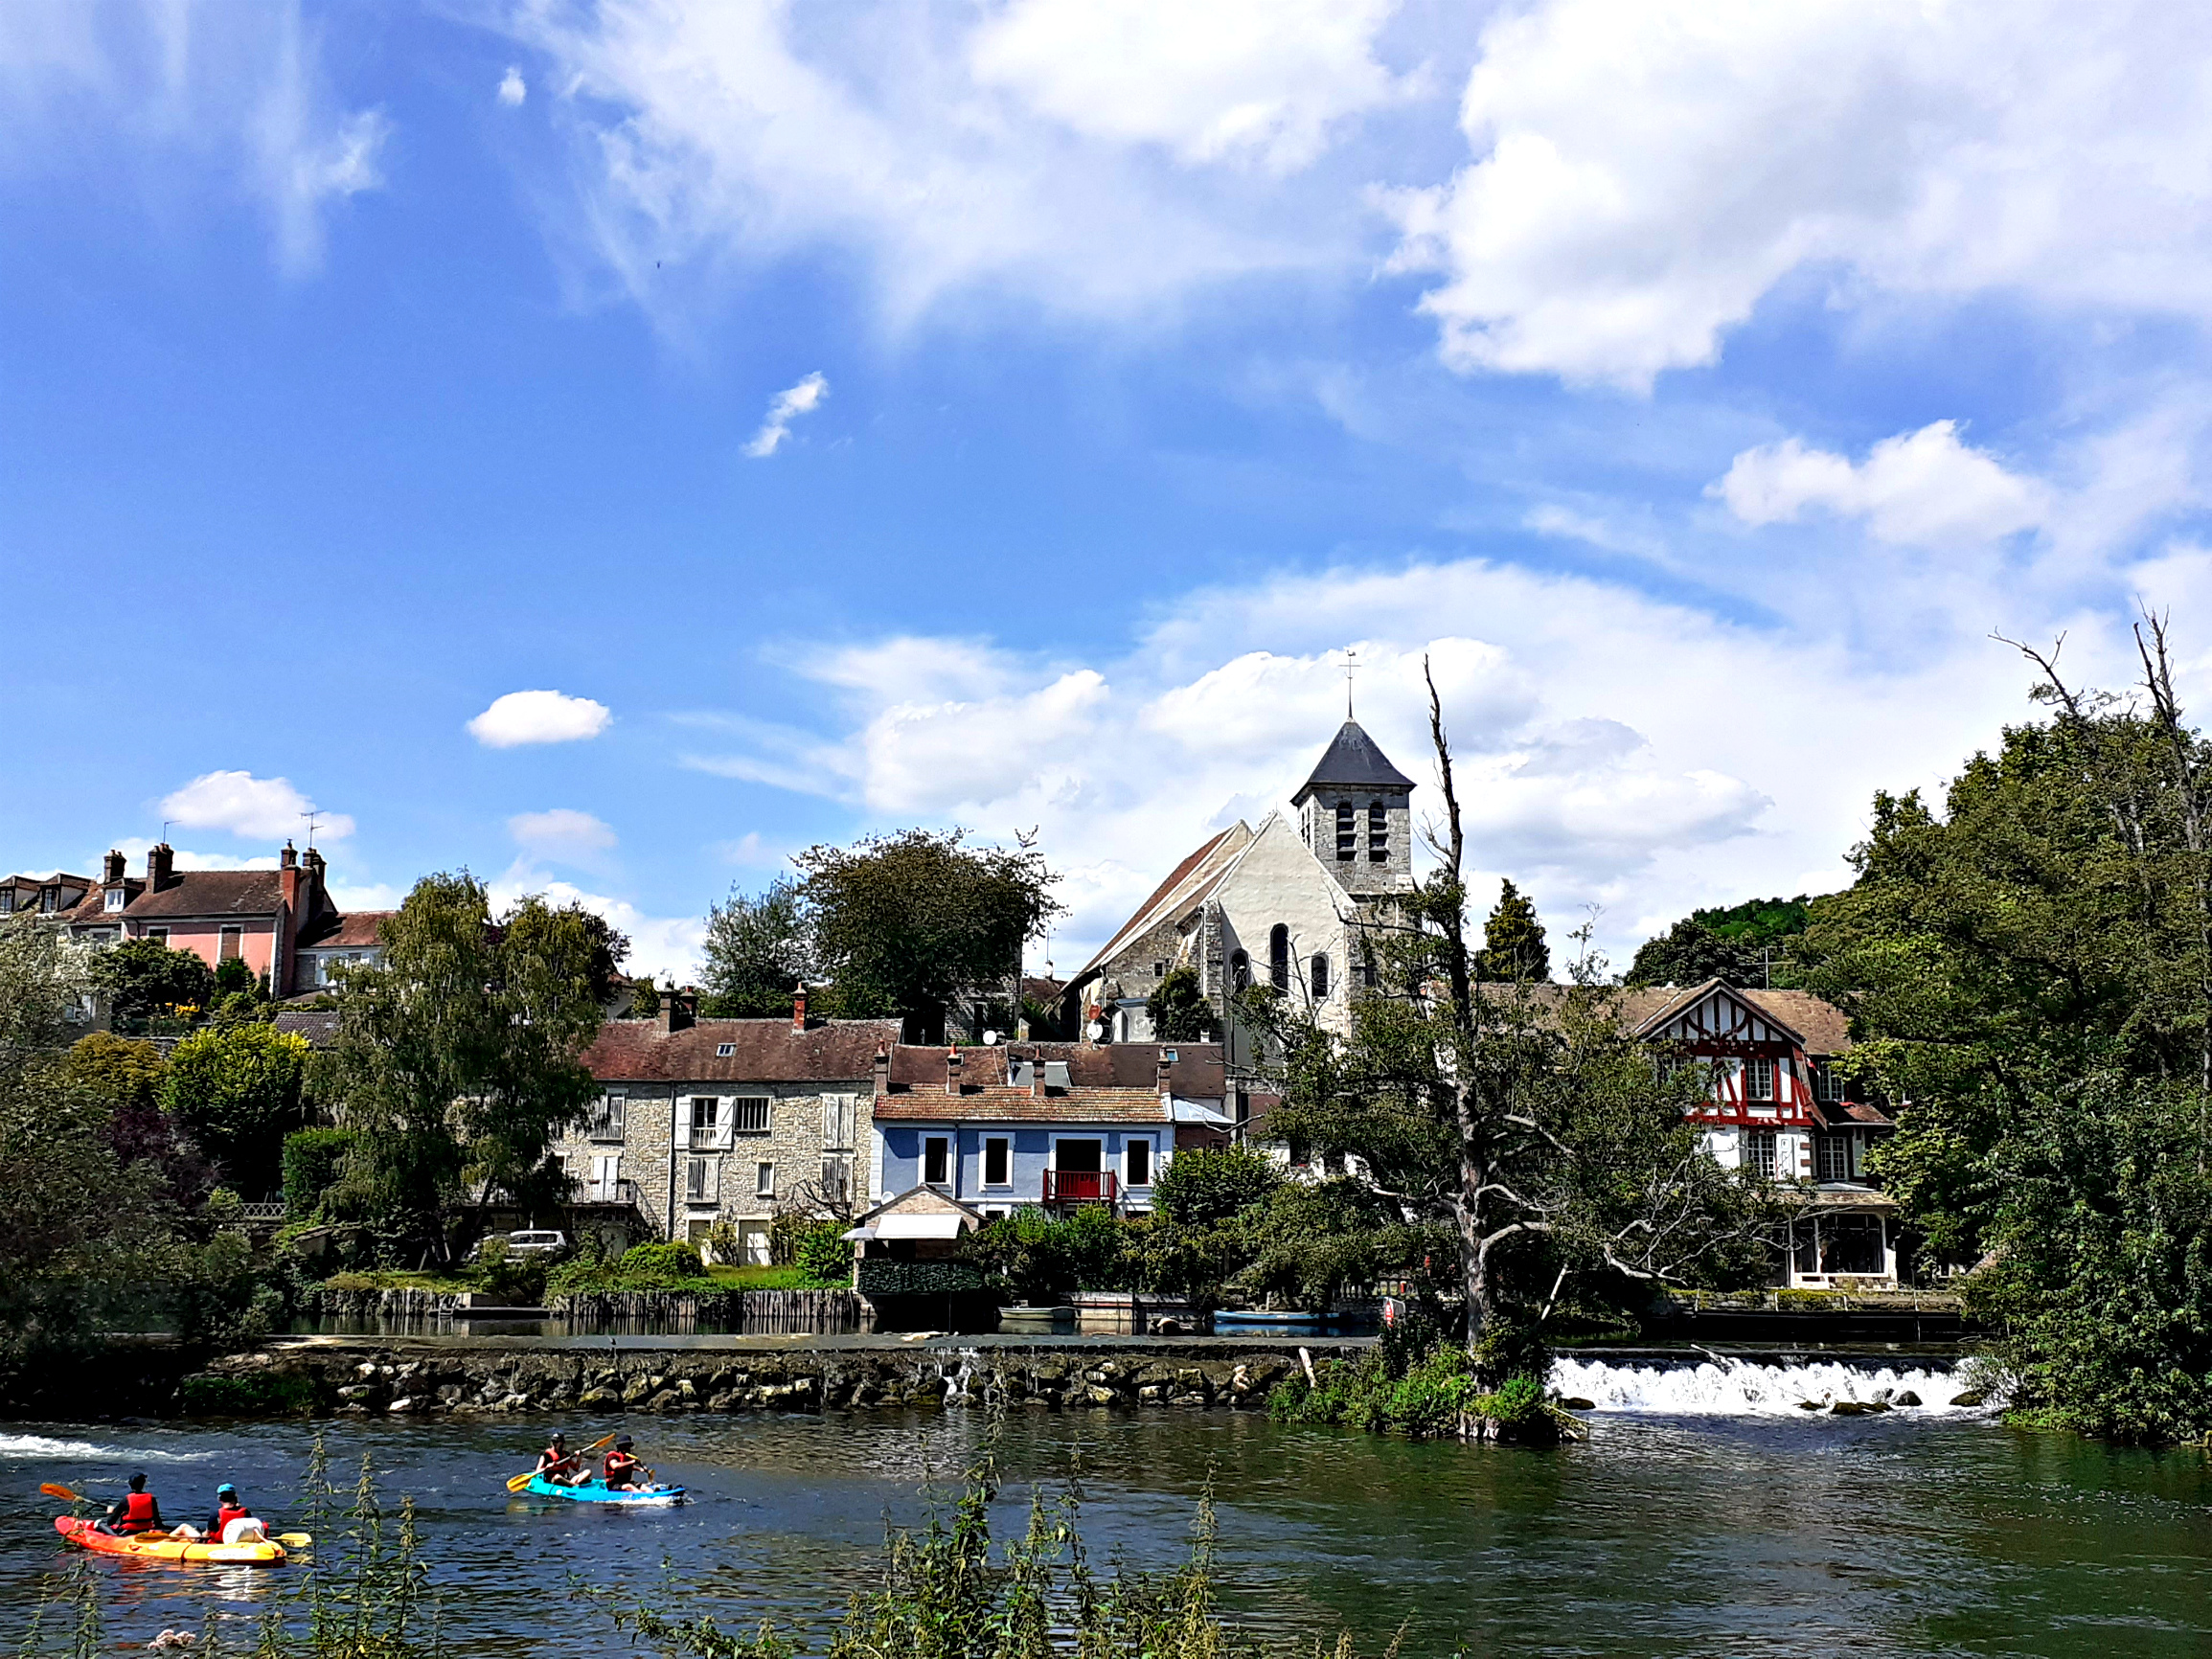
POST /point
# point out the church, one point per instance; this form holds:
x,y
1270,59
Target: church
x,y
1282,904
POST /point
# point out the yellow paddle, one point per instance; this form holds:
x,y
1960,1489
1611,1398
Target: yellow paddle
x,y
520,1481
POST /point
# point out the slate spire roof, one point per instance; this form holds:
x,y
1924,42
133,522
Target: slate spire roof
x,y
1354,762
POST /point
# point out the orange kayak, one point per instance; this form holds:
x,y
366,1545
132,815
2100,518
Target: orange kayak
x,y
161,1547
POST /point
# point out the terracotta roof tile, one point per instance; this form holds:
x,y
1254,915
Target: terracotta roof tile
x,y
998,1103
360,929
212,893
764,1050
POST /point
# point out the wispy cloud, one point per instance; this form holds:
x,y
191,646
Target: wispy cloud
x,y
787,406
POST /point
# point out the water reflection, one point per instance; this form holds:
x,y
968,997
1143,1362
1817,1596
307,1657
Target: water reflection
x,y
1675,1535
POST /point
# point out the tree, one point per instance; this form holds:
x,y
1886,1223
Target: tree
x,y
143,977
1203,1186
644,999
904,924
2030,968
1512,941
1522,1116
120,1079
1746,944
610,950
456,1058
236,1089
756,953
1179,1011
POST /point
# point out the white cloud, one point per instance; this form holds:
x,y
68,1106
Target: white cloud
x,y
512,89
1231,81
538,718
1921,489
1647,170
561,832
124,87
256,808
669,947
787,406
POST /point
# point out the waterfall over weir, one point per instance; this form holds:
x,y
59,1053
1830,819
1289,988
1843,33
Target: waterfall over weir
x,y
1741,1388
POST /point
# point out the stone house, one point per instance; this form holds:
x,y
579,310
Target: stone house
x,y
707,1120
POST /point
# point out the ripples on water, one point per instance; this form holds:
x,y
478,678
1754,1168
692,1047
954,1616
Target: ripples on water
x,y
1770,1531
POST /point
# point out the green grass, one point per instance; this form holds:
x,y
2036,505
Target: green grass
x,y
760,1278
401,1278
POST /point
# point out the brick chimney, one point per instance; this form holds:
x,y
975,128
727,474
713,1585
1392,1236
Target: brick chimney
x,y
883,1078
953,1071
799,1009
1037,1077
288,881
676,1012
111,869
1164,1070
160,864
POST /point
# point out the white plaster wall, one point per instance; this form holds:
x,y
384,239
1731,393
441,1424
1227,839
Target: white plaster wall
x,y
1277,879
1724,1146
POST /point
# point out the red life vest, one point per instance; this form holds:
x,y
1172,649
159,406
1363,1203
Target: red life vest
x,y
227,1514
139,1515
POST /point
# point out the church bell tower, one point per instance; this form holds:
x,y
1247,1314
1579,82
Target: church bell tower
x,y
1355,811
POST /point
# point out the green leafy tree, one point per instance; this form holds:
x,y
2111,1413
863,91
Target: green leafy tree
x,y
2030,968
143,977
1746,944
234,978
1514,946
756,953
1522,1116
644,999
237,1090
456,1060
313,1159
1180,1011
1205,1185
904,924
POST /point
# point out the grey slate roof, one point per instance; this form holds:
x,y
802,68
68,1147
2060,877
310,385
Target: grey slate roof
x,y
1354,762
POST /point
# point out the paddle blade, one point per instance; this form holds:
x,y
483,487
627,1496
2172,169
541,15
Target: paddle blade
x,y
520,1481
296,1540
56,1489
597,1444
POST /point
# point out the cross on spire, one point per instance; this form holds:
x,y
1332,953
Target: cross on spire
x,y
1350,668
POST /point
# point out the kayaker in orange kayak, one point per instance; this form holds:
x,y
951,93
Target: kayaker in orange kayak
x,y
136,1511
231,1522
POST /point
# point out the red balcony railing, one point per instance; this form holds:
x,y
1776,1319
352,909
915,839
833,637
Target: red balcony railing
x,y
1080,1187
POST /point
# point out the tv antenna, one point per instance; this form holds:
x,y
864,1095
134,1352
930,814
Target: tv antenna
x,y
312,818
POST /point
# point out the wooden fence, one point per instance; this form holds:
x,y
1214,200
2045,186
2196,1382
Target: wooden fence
x,y
731,1313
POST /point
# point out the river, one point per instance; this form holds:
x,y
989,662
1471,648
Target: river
x,y
1701,1517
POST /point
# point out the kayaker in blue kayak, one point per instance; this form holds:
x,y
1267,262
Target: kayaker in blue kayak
x,y
557,1466
622,1468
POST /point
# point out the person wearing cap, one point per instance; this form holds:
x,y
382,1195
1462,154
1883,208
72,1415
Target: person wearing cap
x,y
622,1468
136,1511
232,1518
559,1467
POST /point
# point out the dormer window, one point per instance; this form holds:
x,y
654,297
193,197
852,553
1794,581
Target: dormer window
x,y
50,898
116,898
723,1051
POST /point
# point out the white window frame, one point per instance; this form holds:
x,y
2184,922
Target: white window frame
x,y
1129,1143
610,1119
946,1145
723,1051
841,1120
116,898
1005,1144
1761,1081
745,1107
703,1180
764,1179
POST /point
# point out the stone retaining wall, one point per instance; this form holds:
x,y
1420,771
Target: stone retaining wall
x,y
368,1381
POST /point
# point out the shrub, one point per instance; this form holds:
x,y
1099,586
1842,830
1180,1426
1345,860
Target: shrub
x,y
311,1161
1424,1398
1198,1188
825,1256
641,1267
1036,1258
257,1393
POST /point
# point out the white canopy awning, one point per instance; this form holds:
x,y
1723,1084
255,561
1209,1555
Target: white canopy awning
x,y
942,1225
857,1233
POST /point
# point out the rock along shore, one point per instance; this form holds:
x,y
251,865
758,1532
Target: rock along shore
x,y
384,1376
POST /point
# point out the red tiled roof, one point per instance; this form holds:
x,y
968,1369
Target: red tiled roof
x,y
360,929
765,1050
1837,1114
997,1101
1197,1074
212,893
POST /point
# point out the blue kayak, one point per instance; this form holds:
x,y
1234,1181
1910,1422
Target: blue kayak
x,y
593,1492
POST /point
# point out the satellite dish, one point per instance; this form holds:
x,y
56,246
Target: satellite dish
x,y
990,1040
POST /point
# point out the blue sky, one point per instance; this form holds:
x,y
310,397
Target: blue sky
x,y
1699,383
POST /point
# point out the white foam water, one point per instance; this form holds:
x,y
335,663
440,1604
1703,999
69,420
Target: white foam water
x,y
38,1446
1738,1387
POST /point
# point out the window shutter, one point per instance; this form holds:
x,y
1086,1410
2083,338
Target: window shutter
x,y
726,1125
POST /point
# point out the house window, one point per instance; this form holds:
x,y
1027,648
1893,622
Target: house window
x,y
1240,971
232,944
750,1114
936,1161
706,1119
837,1179
1137,1162
1347,833
1159,970
837,1115
159,935
1320,977
1826,1083
115,897
1759,1080
997,1161
607,1118
1759,1144
723,1051
50,898
1279,957
1377,834
6,899
763,1180
1833,1155
703,1180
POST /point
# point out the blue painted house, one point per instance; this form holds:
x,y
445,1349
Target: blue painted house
x,y
1054,1124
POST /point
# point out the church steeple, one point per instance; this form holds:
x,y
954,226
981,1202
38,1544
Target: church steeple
x,y
1355,813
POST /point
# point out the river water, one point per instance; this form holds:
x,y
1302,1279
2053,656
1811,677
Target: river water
x,y
1706,1515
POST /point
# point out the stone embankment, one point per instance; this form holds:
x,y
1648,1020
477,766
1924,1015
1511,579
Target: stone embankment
x,y
401,1382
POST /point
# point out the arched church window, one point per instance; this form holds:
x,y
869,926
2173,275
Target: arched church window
x,y
1240,971
1320,977
1347,833
1279,957
1377,834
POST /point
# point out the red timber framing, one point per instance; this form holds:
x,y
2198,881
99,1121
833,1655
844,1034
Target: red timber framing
x,y
1763,1076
